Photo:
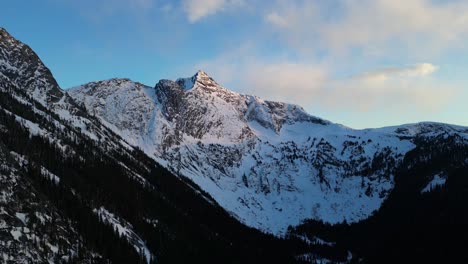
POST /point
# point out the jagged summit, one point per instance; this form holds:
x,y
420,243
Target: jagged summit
x,y
200,79
110,83
200,74
20,65
6,35
3,32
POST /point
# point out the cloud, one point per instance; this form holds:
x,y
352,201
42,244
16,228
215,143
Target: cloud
x,y
198,9
370,24
392,89
277,20
396,89
384,74
285,81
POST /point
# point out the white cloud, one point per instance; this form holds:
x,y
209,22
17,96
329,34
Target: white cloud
x,y
198,9
284,81
396,89
277,20
422,69
391,88
370,24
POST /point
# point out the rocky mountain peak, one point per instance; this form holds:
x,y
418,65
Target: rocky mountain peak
x,y
200,80
113,83
4,33
21,66
201,75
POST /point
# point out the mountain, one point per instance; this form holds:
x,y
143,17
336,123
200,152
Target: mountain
x,y
189,172
22,67
270,164
74,191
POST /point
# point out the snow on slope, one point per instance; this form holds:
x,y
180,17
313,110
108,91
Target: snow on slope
x,y
437,180
31,228
124,229
26,83
269,164
21,66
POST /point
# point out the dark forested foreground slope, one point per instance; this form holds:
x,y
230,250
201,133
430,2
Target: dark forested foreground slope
x,y
73,191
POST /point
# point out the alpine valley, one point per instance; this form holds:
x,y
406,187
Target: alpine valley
x,y
188,171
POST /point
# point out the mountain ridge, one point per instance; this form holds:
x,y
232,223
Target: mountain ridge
x,y
180,81
23,66
260,160
60,167
331,193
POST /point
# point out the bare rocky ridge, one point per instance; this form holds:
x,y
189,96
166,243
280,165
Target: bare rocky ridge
x,y
21,65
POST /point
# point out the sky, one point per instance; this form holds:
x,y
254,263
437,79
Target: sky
x,y
361,63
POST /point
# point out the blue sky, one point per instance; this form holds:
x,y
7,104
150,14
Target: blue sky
x,y
362,63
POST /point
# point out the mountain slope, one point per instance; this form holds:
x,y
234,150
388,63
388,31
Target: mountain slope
x,y
110,202
21,66
32,229
269,164
420,222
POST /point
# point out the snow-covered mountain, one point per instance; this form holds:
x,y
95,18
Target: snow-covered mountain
x,y
74,191
35,117
76,186
269,164
20,66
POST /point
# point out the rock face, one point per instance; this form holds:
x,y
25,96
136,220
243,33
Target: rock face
x,y
20,65
269,164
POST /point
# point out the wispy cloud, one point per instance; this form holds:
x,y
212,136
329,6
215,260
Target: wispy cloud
x,y
411,88
277,20
299,50
198,9
376,24
418,70
395,88
314,34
